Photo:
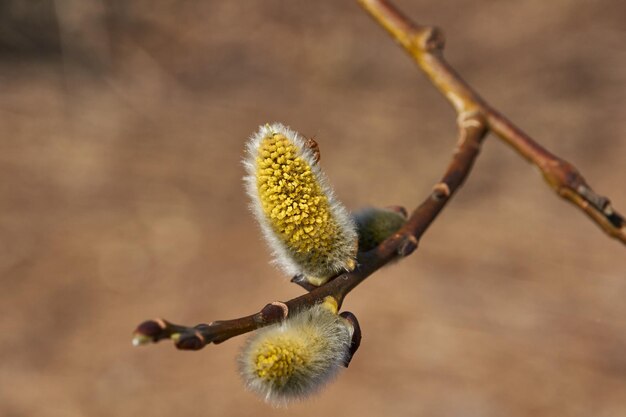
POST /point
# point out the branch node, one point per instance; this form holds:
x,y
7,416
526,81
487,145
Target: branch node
x,y
273,312
599,202
441,191
431,39
191,341
471,118
408,245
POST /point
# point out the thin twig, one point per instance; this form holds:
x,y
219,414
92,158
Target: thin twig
x,y
425,45
472,130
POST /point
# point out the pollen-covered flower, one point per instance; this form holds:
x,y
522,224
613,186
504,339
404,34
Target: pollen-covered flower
x,y
375,225
310,232
293,359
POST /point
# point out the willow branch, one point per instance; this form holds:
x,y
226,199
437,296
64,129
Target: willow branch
x,y
425,45
472,130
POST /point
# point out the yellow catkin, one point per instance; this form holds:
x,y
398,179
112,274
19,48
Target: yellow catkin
x,y
293,199
278,359
311,233
293,359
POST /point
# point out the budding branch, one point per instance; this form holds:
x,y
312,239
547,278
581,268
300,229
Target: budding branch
x,y
476,118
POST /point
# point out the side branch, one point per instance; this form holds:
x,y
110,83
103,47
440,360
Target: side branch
x,y
425,45
472,130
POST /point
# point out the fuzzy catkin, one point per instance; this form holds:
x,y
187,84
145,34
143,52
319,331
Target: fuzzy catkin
x,y
293,359
308,229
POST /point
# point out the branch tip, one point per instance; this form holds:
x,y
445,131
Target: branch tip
x,y
141,340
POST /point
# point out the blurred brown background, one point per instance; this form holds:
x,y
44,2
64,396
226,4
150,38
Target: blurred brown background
x,y
122,126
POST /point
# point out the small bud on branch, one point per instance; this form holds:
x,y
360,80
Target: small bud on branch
x,y
375,225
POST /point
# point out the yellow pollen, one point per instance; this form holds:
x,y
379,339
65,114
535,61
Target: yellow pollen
x,y
293,200
331,304
277,361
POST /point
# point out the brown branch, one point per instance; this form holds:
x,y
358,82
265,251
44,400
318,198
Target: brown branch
x,y
425,45
476,118
472,130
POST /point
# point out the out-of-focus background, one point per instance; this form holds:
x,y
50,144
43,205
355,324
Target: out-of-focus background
x,y
122,127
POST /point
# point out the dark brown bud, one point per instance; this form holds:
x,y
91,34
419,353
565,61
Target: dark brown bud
x,y
151,328
356,335
408,245
273,312
150,331
191,341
